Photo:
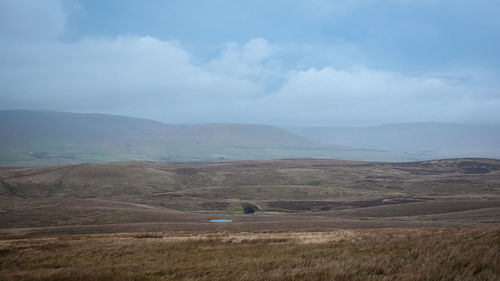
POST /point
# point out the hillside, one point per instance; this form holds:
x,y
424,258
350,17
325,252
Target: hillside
x,y
57,126
300,193
423,140
34,138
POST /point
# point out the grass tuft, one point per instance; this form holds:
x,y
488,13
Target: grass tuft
x,y
377,254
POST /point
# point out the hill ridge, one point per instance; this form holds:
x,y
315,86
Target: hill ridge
x,y
38,138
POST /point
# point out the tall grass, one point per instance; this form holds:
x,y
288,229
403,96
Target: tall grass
x,y
391,254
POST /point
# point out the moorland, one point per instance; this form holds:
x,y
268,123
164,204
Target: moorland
x,y
292,219
256,195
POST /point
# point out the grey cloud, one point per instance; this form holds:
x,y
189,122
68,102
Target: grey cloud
x,y
148,77
157,79
363,96
32,20
114,73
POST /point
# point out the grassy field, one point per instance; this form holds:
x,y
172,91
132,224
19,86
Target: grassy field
x,y
377,254
312,219
60,152
284,194
274,185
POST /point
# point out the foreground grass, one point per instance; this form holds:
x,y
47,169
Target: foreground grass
x,y
384,254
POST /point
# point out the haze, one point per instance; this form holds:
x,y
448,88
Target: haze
x,y
300,63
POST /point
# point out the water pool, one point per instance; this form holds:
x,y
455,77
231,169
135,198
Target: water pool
x,y
221,220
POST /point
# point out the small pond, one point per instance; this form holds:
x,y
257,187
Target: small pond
x,y
221,220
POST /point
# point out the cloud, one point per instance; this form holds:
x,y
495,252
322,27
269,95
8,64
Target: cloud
x,y
113,73
362,96
32,20
254,81
252,60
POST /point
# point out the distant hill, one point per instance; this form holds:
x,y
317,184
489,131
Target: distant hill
x,y
30,138
48,125
423,140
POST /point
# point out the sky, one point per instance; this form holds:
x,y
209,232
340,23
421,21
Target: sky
x,y
293,62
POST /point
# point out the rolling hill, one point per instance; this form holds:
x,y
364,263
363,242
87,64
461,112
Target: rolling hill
x,y
56,126
131,196
423,140
34,138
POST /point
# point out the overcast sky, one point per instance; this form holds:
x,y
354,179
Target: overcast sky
x,y
282,62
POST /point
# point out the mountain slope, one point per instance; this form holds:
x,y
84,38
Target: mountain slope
x,y
46,125
31,138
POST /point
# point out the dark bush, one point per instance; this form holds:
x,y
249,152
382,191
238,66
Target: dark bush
x,y
249,208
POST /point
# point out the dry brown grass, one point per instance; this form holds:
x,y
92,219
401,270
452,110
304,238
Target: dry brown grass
x,y
379,254
218,185
124,197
